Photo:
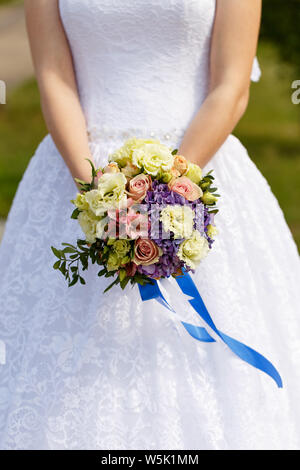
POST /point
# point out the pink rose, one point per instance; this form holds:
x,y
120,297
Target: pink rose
x,y
127,223
186,188
146,252
180,164
134,224
138,187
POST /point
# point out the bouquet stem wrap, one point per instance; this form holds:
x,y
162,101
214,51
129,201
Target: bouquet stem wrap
x,y
188,287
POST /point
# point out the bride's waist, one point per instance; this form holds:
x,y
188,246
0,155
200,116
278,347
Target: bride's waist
x,y
107,139
109,134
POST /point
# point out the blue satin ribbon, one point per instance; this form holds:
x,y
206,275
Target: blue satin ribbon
x,y
188,287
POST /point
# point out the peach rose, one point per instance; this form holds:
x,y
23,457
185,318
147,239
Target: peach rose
x,y
130,170
174,173
146,252
186,188
138,187
180,164
111,168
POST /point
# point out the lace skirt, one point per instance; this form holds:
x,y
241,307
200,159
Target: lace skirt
x,y
87,370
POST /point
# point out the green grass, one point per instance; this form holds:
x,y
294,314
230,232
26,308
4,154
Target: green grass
x,y
4,2
21,129
270,130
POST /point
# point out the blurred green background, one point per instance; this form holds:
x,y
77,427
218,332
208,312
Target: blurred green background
x,y
270,129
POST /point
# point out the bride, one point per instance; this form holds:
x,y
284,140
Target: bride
x,y
87,370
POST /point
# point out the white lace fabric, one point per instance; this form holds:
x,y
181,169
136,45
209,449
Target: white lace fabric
x,y
86,370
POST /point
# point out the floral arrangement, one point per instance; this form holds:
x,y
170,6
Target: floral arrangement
x,y
148,214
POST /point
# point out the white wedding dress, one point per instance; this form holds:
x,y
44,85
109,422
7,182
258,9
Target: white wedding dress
x,y
87,370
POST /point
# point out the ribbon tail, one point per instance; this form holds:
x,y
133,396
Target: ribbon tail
x,y
153,292
198,332
253,358
244,352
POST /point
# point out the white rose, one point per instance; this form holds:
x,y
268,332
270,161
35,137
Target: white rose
x,y
193,250
88,223
154,158
110,193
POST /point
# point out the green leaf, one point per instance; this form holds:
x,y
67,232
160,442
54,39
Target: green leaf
x,y
73,282
80,181
63,267
124,282
175,151
75,213
102,272
56,252
116,281
68,249
82,281
81,243
56,265
122,274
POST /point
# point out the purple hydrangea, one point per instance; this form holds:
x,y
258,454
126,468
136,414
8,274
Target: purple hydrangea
x,y
169,262
208,220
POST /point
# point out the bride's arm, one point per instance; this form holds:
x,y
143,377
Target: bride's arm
x,y
56,79
233,49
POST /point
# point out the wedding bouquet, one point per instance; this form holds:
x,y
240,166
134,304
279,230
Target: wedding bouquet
x,y
148,214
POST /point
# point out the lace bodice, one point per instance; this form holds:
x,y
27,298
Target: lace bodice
x,y
143,62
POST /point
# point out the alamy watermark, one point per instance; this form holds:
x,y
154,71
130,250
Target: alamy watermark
x,y
2,92
296,94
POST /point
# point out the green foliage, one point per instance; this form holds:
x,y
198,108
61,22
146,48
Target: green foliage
x,y
209,192
83,185
280,26
271,133
73,260
21,130
4,2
